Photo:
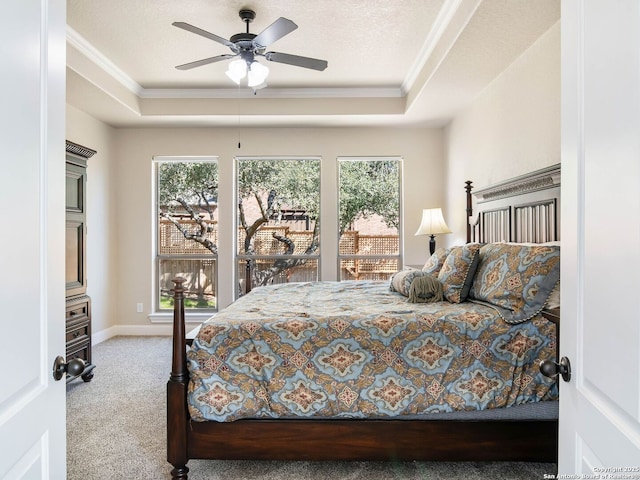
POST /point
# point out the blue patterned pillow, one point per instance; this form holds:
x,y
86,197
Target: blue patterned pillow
x,y
401,281
516,279
435,261
458,271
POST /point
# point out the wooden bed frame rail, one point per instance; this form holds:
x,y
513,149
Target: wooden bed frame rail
x,y
349,439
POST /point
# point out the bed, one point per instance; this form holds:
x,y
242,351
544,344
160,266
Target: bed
x,y
394,401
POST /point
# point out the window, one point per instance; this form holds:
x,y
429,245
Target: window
x,y
278,208
187,230
369,192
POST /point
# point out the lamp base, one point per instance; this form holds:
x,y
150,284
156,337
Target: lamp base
x,y
432,244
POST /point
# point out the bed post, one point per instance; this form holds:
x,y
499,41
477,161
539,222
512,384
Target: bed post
x,y
177,414
468,187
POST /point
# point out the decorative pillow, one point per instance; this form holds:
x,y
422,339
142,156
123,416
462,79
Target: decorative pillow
x,y
435,261
401,281
457,272
554,297
516,280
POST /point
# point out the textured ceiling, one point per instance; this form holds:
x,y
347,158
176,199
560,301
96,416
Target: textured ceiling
x,y
404,62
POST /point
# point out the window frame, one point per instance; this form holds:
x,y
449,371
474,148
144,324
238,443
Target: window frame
x,y
400,255
237,256
159,314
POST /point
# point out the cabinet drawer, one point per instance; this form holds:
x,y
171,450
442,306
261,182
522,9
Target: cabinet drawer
x,y
77,312
79,350
77,330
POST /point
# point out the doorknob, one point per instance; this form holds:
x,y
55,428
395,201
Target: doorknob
x,y
74,367
552,369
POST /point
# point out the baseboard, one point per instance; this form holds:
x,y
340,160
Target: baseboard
x,y
136,331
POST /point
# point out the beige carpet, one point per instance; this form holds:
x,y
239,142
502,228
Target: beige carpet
x,y
116,429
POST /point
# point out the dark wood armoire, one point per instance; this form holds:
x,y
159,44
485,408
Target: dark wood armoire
x,y
78,303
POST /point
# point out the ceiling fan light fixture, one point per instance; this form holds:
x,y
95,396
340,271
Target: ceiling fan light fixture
x,y
247,46
237,70
257,74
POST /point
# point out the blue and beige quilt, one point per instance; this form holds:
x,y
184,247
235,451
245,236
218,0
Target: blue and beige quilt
x,y
357,350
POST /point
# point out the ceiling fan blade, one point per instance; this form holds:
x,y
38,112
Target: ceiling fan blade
x,y
190,28
275,31
305,62
204,61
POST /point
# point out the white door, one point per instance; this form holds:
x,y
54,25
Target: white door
x,y
32,159
600,330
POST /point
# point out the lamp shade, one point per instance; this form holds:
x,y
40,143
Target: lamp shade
x,y
237,70
432,222
257,74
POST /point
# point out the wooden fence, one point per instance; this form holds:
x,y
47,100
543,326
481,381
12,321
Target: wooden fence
x,y
172,242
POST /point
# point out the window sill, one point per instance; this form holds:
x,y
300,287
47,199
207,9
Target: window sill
x,y
189,317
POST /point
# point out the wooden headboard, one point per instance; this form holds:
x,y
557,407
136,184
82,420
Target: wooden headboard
x,y
521,209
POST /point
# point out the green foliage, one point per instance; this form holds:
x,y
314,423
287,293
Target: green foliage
x,y
166,303
368,188
194,182
296,183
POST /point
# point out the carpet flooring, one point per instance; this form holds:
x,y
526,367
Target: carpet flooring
x,y
116,428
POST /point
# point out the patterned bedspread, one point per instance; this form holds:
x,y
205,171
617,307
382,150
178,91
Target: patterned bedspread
x,y
355,349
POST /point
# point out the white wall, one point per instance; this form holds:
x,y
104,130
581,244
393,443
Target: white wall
x,y
126,194
511,128
102,277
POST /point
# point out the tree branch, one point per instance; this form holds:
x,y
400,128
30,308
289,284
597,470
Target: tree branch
x,y
199,237
207,204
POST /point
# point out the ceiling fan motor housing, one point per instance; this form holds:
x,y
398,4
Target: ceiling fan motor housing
x,y
244,41
242,37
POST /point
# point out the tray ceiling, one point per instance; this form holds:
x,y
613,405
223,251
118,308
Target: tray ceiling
x,y
400,62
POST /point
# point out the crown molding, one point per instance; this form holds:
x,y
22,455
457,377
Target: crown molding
x,y
102,62
77,149
542,179
271,93
450,22
442,21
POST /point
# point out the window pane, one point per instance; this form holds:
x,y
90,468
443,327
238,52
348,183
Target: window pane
x,y
173,241
368,268
187,227
369,206
303,272
278,208
200,285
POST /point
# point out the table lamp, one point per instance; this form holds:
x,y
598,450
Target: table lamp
x,y
432,224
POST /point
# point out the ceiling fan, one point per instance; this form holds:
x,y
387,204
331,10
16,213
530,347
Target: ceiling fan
x,y
247,46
